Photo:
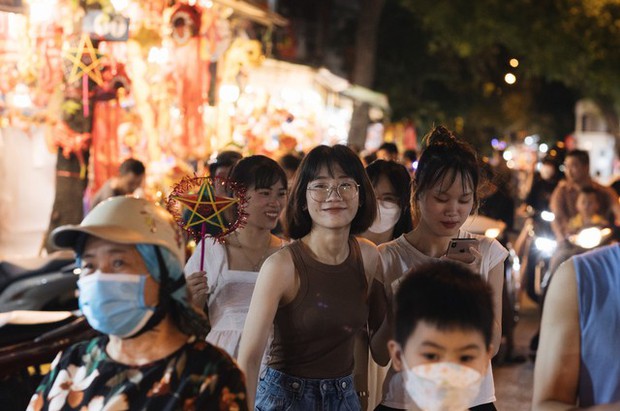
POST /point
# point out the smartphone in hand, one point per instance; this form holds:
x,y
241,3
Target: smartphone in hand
x,y
460,246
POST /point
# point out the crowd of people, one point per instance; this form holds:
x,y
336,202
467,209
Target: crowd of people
x,y
339,292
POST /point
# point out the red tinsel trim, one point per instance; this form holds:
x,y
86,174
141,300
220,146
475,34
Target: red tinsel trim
x,y
185,196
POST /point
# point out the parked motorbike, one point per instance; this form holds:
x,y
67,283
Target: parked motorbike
x,y
38,318
43,283
29,340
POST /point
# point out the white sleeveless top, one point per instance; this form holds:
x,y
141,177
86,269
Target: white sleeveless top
x,y
230,293
398,256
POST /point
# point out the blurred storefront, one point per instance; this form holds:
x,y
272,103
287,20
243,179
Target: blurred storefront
x,y
169,85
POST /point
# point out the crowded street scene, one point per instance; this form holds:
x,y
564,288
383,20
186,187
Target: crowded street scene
x,y
356,205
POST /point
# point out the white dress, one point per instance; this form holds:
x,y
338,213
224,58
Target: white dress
x,y
230,293
398,256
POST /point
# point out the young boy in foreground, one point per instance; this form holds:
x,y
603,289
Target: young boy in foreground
x,y
443,327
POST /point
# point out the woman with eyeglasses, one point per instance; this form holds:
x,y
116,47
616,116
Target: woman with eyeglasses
x,y
317,291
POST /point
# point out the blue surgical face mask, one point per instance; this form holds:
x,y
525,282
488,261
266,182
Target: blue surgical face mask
x,y
114,304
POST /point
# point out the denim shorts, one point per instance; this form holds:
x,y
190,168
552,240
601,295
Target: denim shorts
x,y
278,391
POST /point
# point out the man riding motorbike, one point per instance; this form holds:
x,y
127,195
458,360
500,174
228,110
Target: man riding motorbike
x,y
564,205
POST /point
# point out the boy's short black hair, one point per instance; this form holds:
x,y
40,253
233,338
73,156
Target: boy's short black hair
x,y
446,295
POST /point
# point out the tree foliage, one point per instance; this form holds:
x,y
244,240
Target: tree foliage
x,y
457,52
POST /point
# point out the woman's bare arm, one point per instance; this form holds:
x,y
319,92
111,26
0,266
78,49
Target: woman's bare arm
x,y
379,328
496,281
276,285
556,372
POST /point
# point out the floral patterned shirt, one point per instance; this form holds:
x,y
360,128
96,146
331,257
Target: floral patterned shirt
x,y
198,376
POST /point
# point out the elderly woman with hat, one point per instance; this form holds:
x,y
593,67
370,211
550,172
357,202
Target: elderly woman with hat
x,y
151,354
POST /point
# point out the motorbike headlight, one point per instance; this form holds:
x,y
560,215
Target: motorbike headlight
x,y
547,216
545,245
591,237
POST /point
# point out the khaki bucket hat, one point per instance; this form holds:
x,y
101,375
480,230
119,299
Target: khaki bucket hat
x,y
126,220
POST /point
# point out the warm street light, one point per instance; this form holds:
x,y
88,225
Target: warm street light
x,y
514,63
510,78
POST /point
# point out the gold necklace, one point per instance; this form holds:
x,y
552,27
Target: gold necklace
x,y
255,266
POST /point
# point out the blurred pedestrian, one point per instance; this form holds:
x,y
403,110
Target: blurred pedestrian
x,y
130,177
410,160
563,201
290,163
388,151
224,162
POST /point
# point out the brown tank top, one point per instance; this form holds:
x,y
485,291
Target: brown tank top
x,y
314,333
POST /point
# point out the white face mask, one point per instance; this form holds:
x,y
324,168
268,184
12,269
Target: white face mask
x,y
387,217
443,386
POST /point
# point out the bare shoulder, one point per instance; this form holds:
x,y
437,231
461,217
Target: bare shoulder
x,y
562,293
371,258
280,260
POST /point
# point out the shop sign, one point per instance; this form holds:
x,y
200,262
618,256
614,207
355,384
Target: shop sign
x,y
109,27
12,6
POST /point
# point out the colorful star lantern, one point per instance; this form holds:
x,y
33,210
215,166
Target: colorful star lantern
x,y
207,207
85,60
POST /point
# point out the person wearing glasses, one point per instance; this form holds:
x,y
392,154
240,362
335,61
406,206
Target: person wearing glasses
x,y
318,291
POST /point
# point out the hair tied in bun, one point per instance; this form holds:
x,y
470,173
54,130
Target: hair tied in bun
x,y
440,135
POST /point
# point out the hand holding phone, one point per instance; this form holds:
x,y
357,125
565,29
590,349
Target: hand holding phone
x,y
459,249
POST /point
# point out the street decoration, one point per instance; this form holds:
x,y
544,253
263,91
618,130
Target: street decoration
x,y
86,61
86,64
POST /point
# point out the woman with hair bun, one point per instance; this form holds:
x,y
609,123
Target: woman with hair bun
x,y
444,193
